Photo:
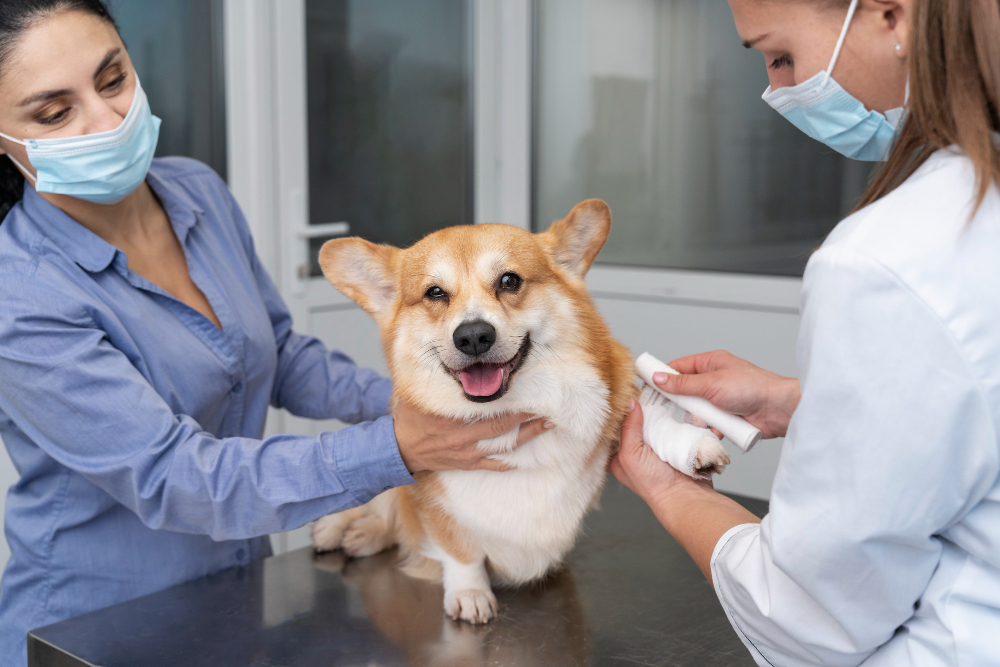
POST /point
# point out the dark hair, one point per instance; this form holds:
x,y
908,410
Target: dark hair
x,y
16,16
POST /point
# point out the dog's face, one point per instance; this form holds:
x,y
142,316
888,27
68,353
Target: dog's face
x,y
469,313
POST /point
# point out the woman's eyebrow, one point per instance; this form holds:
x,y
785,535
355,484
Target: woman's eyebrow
x,y
45,96
749,43
53,94
107,61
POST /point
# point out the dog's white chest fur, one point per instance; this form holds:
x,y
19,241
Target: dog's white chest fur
x,y
527,519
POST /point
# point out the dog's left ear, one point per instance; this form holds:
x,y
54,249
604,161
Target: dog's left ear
x,y
363,271
575,240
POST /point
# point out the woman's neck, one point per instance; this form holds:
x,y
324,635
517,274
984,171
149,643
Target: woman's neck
x,y
124,224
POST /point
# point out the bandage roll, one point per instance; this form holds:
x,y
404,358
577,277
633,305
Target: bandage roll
x,y
741,432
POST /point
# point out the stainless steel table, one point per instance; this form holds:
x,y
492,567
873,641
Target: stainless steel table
x,y
629,595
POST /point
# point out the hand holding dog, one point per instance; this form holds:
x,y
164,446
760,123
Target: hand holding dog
x,y
764,399
427,442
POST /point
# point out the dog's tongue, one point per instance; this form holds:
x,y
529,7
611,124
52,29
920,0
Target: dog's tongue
x,y
482,379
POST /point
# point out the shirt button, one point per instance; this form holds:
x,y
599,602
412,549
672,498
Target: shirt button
x,y
238,387
240,553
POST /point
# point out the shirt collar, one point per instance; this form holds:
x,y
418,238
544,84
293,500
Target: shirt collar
x,y
87,248
182,210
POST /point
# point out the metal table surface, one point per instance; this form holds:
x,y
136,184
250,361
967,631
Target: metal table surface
x,y
629,595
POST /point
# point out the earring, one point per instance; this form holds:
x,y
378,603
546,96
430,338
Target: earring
x,y
899,47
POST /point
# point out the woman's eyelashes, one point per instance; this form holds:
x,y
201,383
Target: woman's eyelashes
x,y
115,84
781,61
54,116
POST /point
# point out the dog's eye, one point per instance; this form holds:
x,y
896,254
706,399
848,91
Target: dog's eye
x,y
435,292
510,282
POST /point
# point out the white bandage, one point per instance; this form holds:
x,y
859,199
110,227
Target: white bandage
x,y
666,430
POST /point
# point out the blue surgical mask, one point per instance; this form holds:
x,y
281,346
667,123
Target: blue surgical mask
x,y
104,168
828,113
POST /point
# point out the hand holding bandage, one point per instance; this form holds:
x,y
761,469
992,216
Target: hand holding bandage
x,y
671,426
741,432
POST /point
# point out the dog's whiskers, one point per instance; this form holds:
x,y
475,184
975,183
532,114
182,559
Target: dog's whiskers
x,y
433,350
544,347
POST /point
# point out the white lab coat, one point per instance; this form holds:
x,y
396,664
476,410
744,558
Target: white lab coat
x,y
882,545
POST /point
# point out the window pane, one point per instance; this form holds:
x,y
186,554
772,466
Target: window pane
x,y
389,103
657,110
177,50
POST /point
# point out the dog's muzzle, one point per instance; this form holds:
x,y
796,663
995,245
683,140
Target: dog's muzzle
x,y
486,382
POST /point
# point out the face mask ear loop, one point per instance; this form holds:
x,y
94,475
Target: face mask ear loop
x,y
840,42
23,170
19,165
10,138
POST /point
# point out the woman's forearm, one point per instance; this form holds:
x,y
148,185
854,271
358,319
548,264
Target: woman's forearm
x,y
689,509
697,516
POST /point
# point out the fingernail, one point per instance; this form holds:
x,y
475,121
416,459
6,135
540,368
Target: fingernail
x,y
549,424
660,378
632,404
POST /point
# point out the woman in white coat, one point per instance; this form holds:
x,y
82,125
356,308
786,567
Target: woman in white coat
x,y
882,544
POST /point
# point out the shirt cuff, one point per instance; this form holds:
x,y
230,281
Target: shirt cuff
x,y
717,583
724,540
368,460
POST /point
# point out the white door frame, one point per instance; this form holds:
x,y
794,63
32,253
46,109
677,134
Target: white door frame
x,y
502,108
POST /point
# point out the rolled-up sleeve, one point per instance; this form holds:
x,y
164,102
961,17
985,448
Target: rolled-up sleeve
x,y
311,381
83,402
891,444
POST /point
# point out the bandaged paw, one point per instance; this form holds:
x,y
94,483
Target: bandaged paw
x,y
668,430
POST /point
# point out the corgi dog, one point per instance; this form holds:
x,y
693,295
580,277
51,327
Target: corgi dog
x,y
477,321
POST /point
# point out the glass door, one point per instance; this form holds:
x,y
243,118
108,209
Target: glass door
x,y
389,108
657,110
374,133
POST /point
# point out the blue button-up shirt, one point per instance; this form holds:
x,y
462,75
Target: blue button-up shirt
x,y
135,423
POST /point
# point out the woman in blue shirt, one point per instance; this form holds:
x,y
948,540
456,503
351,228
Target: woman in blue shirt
x,y
141,343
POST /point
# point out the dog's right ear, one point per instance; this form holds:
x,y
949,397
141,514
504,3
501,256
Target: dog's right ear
x,y
363,271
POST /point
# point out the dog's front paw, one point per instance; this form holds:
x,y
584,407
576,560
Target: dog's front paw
x,y
471,604
366,536
711,456
328,532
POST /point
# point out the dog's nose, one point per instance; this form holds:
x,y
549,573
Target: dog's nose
x,y
475,338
